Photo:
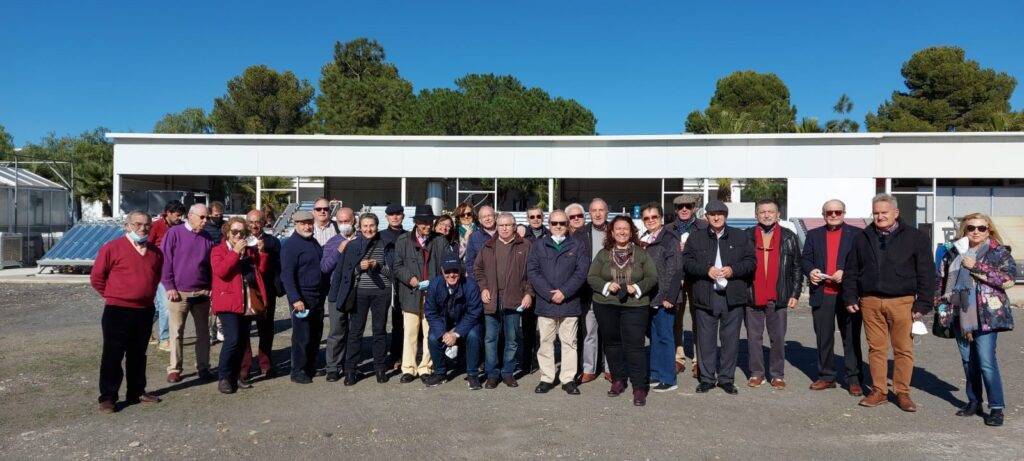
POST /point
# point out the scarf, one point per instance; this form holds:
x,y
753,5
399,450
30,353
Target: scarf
x,y
465,230
962,289
622,265
767,275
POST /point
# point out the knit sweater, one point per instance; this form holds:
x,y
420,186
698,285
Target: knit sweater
x,y
644,274
123,277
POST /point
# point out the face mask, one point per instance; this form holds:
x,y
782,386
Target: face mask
x,y
558,238
138,239
346,229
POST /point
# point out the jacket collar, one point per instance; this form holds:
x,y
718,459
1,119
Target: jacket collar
x,y
493,241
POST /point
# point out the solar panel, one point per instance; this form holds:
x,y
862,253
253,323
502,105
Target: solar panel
x,y
80,245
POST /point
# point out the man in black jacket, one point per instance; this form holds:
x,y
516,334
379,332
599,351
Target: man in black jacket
x,y
395,215
890,279
777,285
721,262
685,223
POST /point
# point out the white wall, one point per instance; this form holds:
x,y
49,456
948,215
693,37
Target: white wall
x,y
806,195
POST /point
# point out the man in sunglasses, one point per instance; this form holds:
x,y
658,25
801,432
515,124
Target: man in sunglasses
x,y
890,279
395,215
535,230
186,276
823,262
323,227
685,223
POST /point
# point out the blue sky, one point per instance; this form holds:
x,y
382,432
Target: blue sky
x,y
641,67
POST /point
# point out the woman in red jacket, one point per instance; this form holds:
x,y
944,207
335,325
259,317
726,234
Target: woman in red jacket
x,y
238,295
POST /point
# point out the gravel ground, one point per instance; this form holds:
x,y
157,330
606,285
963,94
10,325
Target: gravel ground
x,y
49,359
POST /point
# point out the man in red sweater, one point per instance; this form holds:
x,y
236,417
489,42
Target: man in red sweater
x,y
125,274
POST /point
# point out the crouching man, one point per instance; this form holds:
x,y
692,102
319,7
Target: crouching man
x,y
453,310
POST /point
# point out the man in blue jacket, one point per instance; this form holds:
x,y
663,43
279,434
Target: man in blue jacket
x,y
306,288
453,311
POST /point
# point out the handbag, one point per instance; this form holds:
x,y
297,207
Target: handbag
x,y
256,302
940,330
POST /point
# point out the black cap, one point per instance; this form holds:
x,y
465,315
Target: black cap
x,y
716,206
394,208
451,262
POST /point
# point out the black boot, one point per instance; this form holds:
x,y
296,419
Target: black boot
x,y
972,408
994,418
382,376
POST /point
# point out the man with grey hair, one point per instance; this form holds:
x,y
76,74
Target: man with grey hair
x,y
890,280
186,276
823,261
485,217
592,237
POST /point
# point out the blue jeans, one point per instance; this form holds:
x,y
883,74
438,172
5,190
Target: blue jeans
x,y
663,346
161,313
469,347
236,343
505,322
980,365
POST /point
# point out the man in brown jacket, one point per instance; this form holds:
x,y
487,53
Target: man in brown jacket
x,y
500,271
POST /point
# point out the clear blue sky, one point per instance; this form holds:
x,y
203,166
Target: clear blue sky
x,y
640,66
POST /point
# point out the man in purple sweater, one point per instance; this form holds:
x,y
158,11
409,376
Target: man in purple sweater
x,y
186,277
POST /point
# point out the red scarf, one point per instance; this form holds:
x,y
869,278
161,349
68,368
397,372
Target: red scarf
x,y
766,276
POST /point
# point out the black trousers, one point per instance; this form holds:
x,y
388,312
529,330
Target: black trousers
x,y
373,302
306,335
125,337
531,341
397,333
624,333
236,342
718,366
830,314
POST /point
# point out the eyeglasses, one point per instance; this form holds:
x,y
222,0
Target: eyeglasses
x,y
321,209
575,216
651,218
256,222
138,225
201,217
468,214
557,223
970,228
237,232
688,206
834,212
536,216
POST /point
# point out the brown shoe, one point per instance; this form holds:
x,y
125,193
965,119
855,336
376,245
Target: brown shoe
x,y
148,398
755,381
587,377
821,385
903,401
695,370
607,376
680,367
174,377
855,390
874,399
107,407
778,383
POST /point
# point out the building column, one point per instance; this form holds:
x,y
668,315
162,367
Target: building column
x,y
115,199
259,193
403,191
551,195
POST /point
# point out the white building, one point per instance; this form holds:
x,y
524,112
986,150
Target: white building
x,y
936,176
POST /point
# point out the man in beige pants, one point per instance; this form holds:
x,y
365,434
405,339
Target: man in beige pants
x,y
418,256
186,276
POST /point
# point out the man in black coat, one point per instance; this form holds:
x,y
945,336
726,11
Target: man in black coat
x,y
686,222
395,215
890,279
721,263
824,263
776,287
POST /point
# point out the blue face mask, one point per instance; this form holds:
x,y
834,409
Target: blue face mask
x,y
138,239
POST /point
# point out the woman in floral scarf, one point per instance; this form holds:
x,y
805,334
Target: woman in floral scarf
x,y
972,299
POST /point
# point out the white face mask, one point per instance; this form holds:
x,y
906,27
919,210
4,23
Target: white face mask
x,y
139,239
558,238
346,229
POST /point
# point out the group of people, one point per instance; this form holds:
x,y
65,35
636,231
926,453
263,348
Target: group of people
x,y
477,291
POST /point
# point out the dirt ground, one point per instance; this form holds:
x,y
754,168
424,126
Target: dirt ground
x,y
49,360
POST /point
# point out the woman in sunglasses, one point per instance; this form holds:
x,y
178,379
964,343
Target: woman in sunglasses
x,y
972,300
467,225
444,226
238,295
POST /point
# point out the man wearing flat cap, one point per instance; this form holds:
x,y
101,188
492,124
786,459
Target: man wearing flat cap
x,y
395,214
418,257
686,222
721,262
306,287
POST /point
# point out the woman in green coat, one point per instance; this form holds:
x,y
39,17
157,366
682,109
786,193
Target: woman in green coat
x,y
622,275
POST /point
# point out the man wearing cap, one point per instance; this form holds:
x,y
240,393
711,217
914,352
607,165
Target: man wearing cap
x,y
417,261
306,287
337,337
686,222
453,308
395,215
721,262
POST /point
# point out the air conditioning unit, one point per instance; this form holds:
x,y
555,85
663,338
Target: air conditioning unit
x,y
10,249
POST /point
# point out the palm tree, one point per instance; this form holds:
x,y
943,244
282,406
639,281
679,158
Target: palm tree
x,y
845,125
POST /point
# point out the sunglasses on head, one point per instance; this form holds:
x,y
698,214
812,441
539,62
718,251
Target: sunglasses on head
x,y
970,228
688,206
536,216
834,213
321,209
575,216
557,223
